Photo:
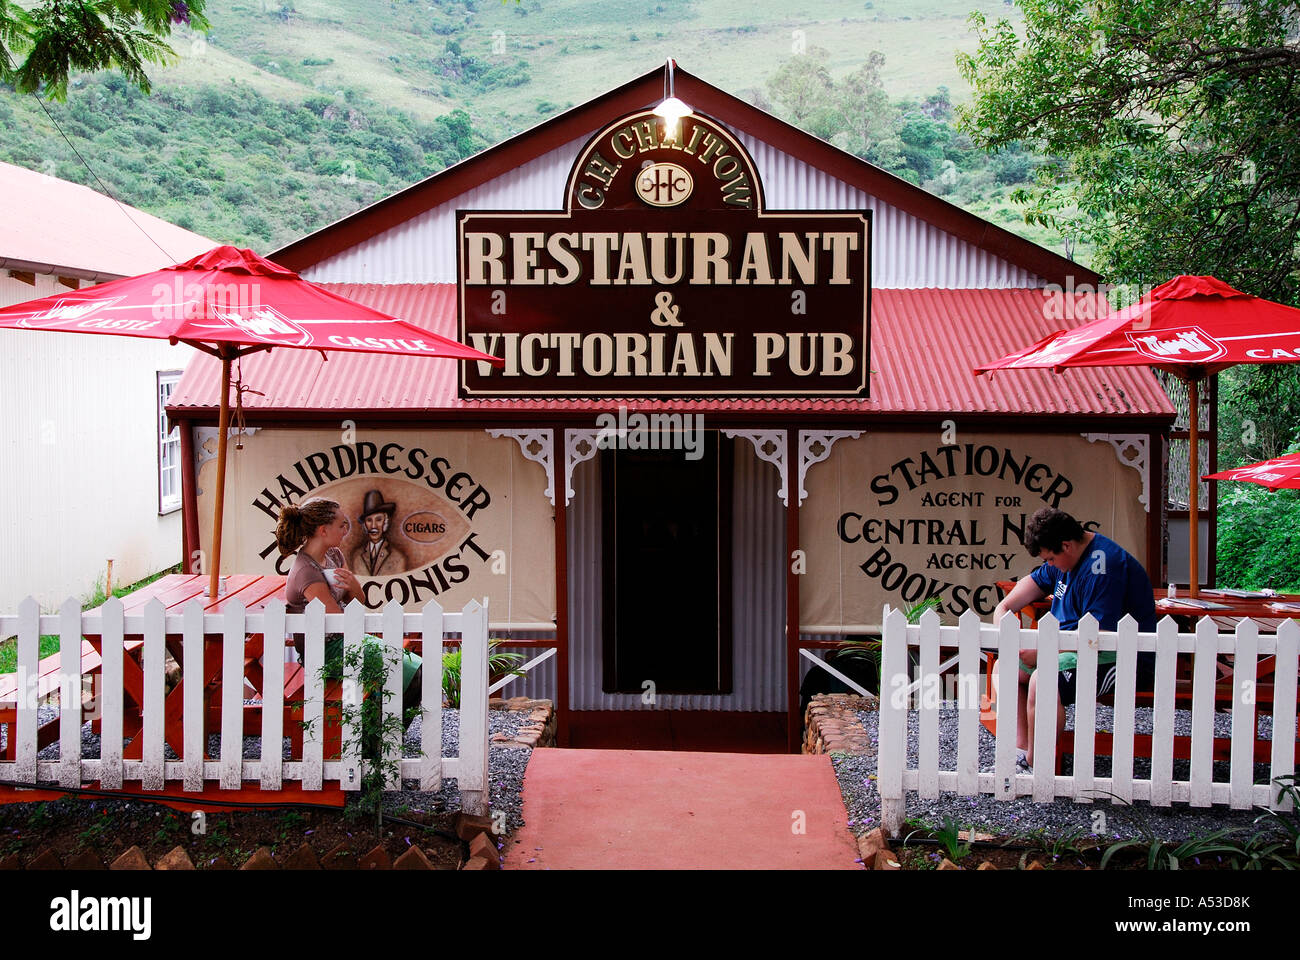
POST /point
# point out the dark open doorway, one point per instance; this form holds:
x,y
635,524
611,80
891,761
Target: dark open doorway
x,y
667,577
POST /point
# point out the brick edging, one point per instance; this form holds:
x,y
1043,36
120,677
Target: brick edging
x,y
831,724
539,730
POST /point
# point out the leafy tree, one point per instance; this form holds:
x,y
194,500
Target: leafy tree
x,y
1259,416
862,111
805,91
1178,127
924,141
1176,122
41,47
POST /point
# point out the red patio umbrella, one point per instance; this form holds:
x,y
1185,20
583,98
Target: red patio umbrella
x,y
1272,474
1192,327
230,302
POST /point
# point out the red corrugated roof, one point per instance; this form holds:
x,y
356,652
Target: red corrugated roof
x,y
69,228
924,344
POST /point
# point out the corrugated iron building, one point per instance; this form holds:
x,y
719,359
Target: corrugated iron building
x,y
78,406
947,291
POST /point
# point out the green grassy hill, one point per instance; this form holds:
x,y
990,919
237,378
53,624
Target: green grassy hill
x,y
281,120
558,52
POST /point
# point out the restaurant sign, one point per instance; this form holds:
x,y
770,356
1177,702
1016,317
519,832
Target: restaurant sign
x,y
664,276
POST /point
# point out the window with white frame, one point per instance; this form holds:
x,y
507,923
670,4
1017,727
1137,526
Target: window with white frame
x,y
169,446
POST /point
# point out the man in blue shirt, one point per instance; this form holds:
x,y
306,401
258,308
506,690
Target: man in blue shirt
x,y
1083,572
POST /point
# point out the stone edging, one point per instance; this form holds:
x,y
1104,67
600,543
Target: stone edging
x,y
831,724
538,730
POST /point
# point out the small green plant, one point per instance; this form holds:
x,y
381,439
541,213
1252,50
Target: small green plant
x,y
1059,845
1053,845
870,648
40,817
95,834
218,835
291,821
1171,855
378,735
1278,843
948,835
1163,854
499,665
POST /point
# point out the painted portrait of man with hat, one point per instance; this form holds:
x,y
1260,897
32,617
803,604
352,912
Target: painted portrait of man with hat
x,y
377,556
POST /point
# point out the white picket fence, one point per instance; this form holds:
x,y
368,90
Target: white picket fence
x,y
971,637
230,629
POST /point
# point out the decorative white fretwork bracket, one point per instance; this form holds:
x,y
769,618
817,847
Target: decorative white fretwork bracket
x,y
205,446
579,445
770,447
1131,449
537,446
814,447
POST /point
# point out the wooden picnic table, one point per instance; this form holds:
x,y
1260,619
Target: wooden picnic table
x,y
1226,611
175,592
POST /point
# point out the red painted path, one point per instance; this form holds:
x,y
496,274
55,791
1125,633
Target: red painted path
x,y
651,809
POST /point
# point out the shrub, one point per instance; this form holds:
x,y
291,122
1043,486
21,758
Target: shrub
x,y
1257,545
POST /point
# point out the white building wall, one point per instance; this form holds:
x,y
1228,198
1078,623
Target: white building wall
x,y
907,252
78,458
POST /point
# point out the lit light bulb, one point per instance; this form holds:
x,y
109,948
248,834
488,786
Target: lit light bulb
x,y
672,110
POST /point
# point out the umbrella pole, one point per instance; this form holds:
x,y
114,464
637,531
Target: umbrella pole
x,y
1194,501
223,429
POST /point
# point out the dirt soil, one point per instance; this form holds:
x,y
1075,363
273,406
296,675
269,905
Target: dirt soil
x,y
108,827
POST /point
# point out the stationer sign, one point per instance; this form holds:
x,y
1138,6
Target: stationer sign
x,y
665,277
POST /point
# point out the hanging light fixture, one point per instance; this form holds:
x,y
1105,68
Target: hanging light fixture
x,y
670,108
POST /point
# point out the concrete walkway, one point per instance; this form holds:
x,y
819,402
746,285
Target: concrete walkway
x,y
650,809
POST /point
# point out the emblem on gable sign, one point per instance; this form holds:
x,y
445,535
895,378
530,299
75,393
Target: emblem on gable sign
x,y
664,184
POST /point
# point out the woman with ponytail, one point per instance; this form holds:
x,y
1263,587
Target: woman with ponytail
x,y
315,530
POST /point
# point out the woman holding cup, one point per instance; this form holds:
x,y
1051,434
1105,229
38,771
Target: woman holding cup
x,y
315,529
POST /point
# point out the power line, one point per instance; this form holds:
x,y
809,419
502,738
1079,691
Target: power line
x,y
102,186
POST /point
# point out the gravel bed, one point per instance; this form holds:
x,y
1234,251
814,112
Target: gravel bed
x,y
857,778
505,764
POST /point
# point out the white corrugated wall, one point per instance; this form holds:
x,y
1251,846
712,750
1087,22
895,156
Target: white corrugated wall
x,y
758,596
907,252
79,479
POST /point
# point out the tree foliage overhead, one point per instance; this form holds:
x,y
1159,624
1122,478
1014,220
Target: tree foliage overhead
x,y
1176,122
40,47
913,138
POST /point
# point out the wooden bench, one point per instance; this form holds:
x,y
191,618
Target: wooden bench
x,y
1104,741
47,684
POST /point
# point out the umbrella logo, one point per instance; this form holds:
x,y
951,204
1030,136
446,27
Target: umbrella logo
x,y
67,311
1190,344
266,324
1060,349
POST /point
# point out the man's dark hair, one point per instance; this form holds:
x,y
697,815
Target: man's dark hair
x,y
1049,528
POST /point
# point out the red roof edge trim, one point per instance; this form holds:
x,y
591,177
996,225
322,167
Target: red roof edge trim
x,y
582,120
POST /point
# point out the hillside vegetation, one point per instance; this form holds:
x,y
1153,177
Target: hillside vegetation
x,y
282,120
